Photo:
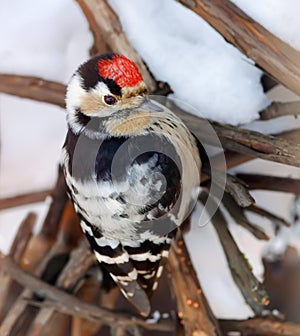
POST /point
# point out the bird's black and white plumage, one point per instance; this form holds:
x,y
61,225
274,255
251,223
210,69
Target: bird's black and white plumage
x,y
132,169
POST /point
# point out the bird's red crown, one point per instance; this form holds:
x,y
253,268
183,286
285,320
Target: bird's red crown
x,y
122,70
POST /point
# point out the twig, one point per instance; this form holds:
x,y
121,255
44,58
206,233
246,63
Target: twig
x,y
33,88
236,188
39,251
17,249
249,143
105,21
66,303
268,214
237,213
23,199
81,259
276,57
59,201
193,308
272,183
249,286
22,237
261,327
277,109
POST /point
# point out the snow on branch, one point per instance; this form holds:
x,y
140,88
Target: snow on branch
x,y
273,55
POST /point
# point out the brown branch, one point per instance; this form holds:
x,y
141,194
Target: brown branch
x,y
250,287
39,251
237,213
277,109
104,20
246,142
268,215
260,327
59,201
7,291
99,46
33,88
81,259
193,309
292,135
272,183
23,199
234,187
276,57
68,304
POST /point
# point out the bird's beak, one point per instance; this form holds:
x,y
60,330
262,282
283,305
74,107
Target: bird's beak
x,y
150,106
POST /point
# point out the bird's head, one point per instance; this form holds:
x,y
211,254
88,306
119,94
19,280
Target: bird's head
x,y
105,87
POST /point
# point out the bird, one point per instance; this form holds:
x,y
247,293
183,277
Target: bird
x,y
132,170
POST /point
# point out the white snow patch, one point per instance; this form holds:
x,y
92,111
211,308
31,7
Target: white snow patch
x,y
202,69
43,38
278,16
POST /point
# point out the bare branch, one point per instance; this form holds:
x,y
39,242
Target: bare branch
x,y
250,287
272,183
276,57
277,109
17,249
267,214
33,88
237,213
23,199
66,303
261,327
193,308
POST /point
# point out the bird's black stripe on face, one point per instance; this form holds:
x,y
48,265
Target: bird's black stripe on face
x,y
81,118
90,76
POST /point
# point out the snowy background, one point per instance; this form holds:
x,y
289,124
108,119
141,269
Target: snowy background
x,y
50,38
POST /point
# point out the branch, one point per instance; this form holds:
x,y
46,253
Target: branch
x,y
59,201
17,249
103,20
23,199
237,213
272,183
268,215
193,308
260,327
234,187
68,304
276,57
277,109
33,88
246,142
250,287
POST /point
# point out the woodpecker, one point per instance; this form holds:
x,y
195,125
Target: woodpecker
x,y
132,171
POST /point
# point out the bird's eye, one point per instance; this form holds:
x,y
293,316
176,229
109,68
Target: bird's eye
x,y
110,100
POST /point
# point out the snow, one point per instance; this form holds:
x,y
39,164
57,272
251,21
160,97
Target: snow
x,y
278,16
50,38
43,38
202,69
